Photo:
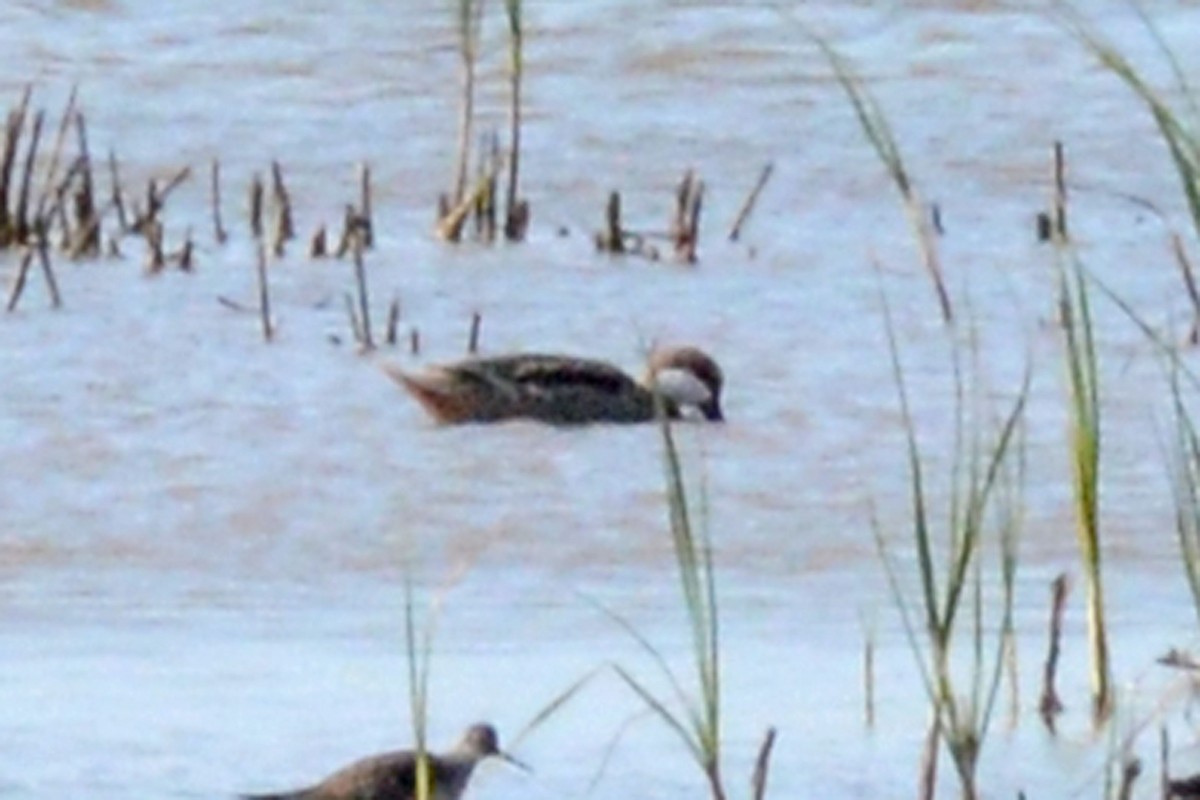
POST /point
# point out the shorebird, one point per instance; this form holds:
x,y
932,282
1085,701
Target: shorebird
x,y
393,776
565,390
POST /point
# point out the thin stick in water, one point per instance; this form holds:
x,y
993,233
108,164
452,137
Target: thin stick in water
x,y
364,304
751,201
118,201
1050,705
219,233
762,763
1060,192
43,250
264,295
356,328
18,286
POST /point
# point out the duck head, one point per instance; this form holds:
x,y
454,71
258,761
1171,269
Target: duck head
x,y
687,376
481,741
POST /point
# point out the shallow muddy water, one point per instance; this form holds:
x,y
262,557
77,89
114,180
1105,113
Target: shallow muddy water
x,y
204,540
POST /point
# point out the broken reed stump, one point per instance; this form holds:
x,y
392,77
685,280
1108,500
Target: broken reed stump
x,y
612,238
364,203
87,239
283,203
156,199
751,201
352,227
615,239
1050,705
1052,226
393,322
318,245
473,336
186,252
254,206
685,228
156,259
219,234
1131,770
452,219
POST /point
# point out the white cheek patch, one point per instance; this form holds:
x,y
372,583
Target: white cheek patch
x,y
682,387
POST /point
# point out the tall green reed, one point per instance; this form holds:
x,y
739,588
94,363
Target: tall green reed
x,y
1083,382
874,123
1178,122
515,213
694,716
694,711
985,480
468,20
418,647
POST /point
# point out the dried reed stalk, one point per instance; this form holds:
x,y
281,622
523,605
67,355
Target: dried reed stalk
x,y
13,128
117,200
21,225
88,236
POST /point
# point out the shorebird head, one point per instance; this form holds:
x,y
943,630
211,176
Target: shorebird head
x,y
687,376
481,741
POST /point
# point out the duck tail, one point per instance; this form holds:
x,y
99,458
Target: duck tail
x,y
436,391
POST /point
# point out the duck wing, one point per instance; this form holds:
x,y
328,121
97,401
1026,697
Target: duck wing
x,y
570,391
540,372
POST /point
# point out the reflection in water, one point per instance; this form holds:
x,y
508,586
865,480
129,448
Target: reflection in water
x,y
205,539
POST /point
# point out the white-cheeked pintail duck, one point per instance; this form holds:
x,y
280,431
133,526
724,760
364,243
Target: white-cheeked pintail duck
x,y
564,390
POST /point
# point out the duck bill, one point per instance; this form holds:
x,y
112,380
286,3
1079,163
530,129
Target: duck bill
x,y
711,409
